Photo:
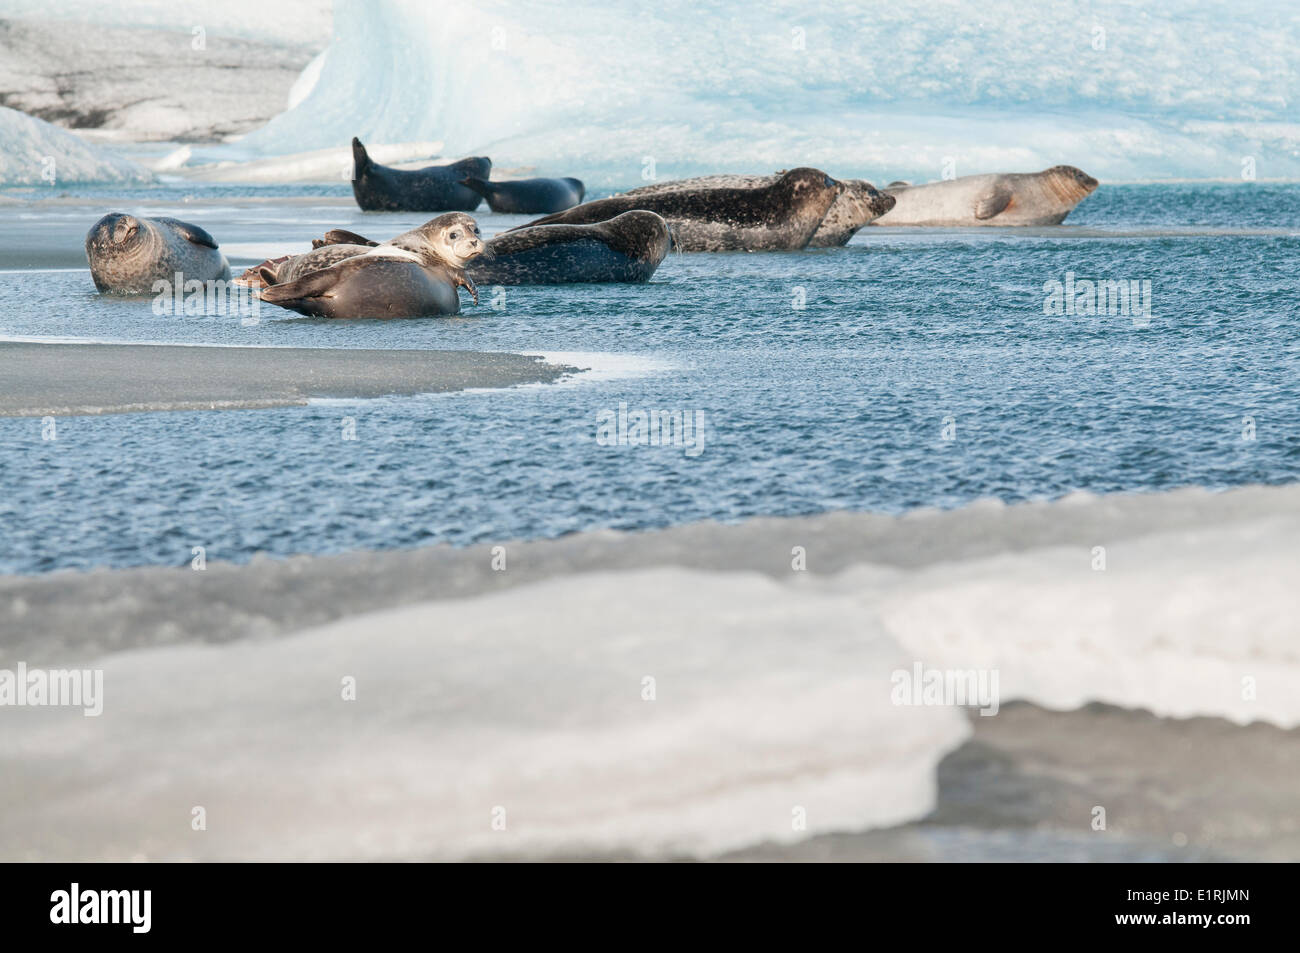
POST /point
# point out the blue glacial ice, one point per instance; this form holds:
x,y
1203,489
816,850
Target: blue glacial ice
x,y
617,91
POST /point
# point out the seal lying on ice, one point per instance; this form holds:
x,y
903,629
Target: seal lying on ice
x,y
1012,198
528,196
628,248
435,188
859,204
782,215
414,275
128,254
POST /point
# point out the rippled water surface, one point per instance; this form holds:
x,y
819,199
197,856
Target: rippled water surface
x,y
827,379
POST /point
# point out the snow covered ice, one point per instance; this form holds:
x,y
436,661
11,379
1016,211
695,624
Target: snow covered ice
x,y
35,153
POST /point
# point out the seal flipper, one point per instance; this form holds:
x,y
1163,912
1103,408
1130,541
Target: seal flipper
x,y
341,236
319,284
191,233
462,280
481,186
993,202
262,274
360,158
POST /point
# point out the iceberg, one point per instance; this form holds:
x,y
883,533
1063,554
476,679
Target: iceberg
x,y
37,153
621,94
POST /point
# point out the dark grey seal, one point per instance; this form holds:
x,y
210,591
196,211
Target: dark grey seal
x,y
627,248
128,255
783,215
859,204
435,188
414,275
529,196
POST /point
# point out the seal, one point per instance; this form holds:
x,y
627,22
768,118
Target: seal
x,y
528,196
859,204
435,188
783,215
414,275
1012,198
626,248
128,254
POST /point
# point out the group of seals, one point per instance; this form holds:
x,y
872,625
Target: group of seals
x,y
627,248
623,238
1013,198
807,208
458,187
129,254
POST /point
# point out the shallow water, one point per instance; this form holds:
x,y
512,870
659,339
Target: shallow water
x,y
903,338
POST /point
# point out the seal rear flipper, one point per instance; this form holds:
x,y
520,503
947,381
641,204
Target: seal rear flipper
x,y
191,233
993,202
263,273
341,236
360,158
319,284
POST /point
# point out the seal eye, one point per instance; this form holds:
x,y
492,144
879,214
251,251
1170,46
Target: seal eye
x,y
454,235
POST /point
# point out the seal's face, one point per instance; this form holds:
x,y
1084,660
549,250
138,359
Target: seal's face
x,y
875,202
1076,180
455,238
114,234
